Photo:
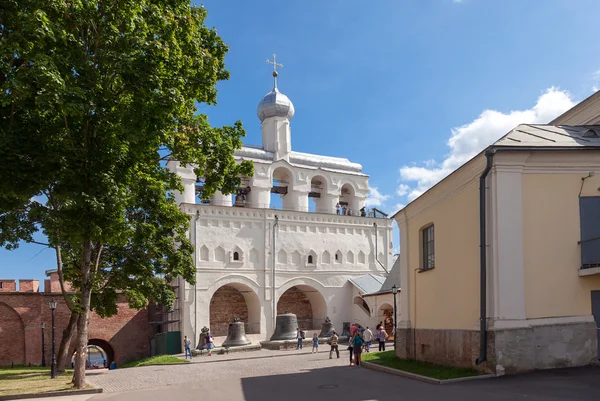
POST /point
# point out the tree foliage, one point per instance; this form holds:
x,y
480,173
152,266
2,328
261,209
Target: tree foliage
x,y
95,96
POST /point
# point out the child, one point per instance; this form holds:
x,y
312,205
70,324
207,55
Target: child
x,y
187,344
209,343
315,348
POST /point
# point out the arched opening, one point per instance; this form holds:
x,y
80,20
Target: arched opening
x,y
12,331
306,303
348,201
236,256
362,305
386,315
310,260
282,184
100,354
234,300
318,189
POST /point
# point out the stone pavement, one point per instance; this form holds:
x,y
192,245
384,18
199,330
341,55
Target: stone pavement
x,y
315,377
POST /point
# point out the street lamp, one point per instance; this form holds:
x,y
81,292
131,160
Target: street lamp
x,y
43,325
395,291
52,305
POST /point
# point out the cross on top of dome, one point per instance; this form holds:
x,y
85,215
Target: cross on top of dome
x,y
275,103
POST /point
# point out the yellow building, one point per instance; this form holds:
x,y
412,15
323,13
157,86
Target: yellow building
x,y
530,298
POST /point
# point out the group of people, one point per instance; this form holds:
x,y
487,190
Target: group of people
x,y
209,343
360,341
347,211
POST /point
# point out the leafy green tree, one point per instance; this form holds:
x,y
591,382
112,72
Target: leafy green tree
x,y
96,95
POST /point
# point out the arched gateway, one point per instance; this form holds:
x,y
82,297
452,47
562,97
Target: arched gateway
x,y
234,300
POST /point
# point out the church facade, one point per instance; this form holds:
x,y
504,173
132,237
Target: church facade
x,y
256,258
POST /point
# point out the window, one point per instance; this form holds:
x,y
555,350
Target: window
x,y
310,260
236,256
589,215
1,284
428,248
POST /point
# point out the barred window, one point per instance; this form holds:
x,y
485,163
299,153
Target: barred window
x,y
428,248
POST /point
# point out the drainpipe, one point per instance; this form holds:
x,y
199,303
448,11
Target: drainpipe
x,y
376,252
489,154
196,275
273,273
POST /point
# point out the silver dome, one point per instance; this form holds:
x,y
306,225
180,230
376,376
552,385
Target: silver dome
x,y
275,104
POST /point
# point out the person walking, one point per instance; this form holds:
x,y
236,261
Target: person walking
x,y
381,336
357,343
334,345
315,343
209,343
187,345
299,336
351,346
368,337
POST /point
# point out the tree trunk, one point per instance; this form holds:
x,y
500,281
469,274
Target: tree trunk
x,y
65,343
82,323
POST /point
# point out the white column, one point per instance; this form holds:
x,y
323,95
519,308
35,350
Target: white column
x,y
259,198
507,271
296,200
326,203
218,199
405,273
188,180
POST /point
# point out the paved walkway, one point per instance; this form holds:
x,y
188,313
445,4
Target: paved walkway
x,y
305,376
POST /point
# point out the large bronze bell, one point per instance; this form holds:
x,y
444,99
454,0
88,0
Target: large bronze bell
x,y
285,327
236,335
326,328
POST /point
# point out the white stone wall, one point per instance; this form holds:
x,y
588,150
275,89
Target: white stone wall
x,y
220,231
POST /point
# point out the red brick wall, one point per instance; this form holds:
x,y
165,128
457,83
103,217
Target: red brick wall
x,y
226,303
8,285
29,285
128,333
295,301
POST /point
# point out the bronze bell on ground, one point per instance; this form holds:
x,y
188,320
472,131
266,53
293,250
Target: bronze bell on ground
x,y
236,335
326,328
202,339
285,327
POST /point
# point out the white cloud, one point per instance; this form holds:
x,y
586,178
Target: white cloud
x,y
376,198
457,1
402,190
397,208
468,140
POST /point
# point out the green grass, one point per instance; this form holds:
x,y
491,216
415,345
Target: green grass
x,y
389,359
33,379
154,360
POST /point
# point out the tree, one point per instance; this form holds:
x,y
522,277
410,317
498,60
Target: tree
x,y
96,95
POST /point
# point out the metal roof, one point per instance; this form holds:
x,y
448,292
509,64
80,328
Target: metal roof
x,y
542,135
368,283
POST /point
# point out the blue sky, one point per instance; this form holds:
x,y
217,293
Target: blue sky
x,y
409,89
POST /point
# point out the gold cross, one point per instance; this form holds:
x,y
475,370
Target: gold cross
x,y
274,62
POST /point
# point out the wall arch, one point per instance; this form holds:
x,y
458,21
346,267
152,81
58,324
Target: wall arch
x,y
106,347
12,331
300,293
234,299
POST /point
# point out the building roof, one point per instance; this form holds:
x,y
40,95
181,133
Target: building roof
x,y
368,283
539,137
543,135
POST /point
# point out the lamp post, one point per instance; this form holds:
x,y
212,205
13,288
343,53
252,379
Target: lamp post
x,y
52,305
43,325
395,291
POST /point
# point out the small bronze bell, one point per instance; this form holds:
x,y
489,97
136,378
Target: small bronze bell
x,y
326,328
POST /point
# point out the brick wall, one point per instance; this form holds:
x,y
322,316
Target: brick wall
x,y
226,303
21,315
295,301
29,285
8,285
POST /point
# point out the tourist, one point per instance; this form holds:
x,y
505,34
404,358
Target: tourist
x,y
187,344
349,211
368,336
209,343
315,343
351,347
344,210
357,343
363,212
299,336
381,336
337,208
334,345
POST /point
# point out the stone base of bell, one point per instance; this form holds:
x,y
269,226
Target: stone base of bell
x,y
281,345
228,350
